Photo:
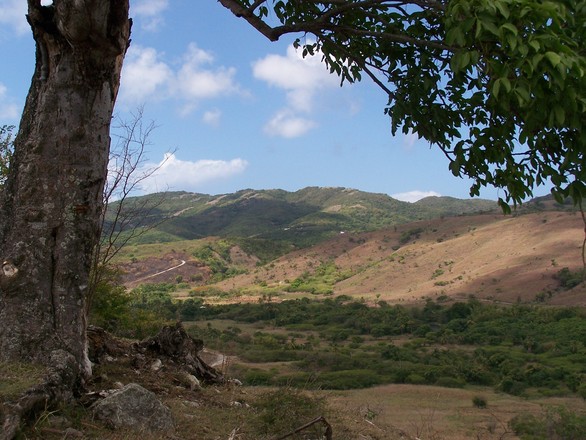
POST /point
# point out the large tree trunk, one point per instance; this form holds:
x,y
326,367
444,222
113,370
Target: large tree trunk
x,y
49,221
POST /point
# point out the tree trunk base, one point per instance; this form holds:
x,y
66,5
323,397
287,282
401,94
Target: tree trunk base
x,y
61,383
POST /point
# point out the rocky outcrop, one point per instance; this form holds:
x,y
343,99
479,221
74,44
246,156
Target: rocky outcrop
x,y
134,407
172,346
172,343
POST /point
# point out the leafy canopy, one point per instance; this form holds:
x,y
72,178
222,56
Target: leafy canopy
x,y
498,85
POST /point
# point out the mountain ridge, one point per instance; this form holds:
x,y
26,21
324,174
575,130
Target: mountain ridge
x,y
303,217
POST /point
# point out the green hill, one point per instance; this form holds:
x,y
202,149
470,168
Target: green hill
x,y
301,218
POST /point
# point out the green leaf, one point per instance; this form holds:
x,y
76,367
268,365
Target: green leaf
x,y
455,37
512,40
503,9
560,114
553,58
455,167
496,87
501,82
504,206
534,44
510,27
490,26
558,196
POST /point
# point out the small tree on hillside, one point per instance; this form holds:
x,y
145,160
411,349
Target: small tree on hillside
x,y
123,217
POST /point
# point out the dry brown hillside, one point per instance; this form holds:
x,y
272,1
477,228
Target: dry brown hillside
x,y
503,258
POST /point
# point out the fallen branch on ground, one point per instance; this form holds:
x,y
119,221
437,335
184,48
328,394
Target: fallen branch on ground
x,y
321,419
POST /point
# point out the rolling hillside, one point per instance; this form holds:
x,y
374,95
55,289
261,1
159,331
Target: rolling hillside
x,y
300,218
490,256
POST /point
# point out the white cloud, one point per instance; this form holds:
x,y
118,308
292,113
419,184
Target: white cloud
x,y
143,74
301,79
176,174
12,15
146,75
288,125
413,196
8,110
212,117
150,13
196,82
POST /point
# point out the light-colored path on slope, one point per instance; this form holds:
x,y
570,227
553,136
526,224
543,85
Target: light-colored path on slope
x,y
161,272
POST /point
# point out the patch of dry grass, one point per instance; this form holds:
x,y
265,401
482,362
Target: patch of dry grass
x,y
389,412
439,413
17,377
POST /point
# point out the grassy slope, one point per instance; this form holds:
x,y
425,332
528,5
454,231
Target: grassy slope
x,y
490,256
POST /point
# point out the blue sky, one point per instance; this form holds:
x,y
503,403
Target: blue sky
x,y
238,111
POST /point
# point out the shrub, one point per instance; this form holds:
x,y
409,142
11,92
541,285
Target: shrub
x,y
479,402
285,409
258,377
555,423
511,386
582,391
109,307
569,279
450,382
349,379
415,379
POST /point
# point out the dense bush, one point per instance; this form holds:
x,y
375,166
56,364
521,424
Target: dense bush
x,y
569,279
258,377
133,315
555,423
515,349
283,410
479,402
348,379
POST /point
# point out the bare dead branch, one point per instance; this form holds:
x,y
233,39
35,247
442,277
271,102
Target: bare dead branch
x,y
321,419
123,220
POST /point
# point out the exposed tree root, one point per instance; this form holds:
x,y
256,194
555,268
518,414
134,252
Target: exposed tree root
x,y
60,384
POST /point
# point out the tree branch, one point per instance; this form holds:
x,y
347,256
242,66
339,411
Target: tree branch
x,y
322,22
241,12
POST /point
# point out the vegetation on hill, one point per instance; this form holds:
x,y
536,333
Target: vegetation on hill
x,y
299,218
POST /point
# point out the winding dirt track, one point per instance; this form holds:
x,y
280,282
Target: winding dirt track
x,y
161,272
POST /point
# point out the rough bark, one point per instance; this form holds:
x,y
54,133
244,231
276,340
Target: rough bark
x,y
49,221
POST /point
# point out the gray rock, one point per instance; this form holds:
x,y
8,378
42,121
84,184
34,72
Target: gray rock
x,y
71,433
190,381
134,407
157,365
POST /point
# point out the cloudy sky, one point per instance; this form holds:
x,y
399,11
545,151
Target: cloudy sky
x,y
235,111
